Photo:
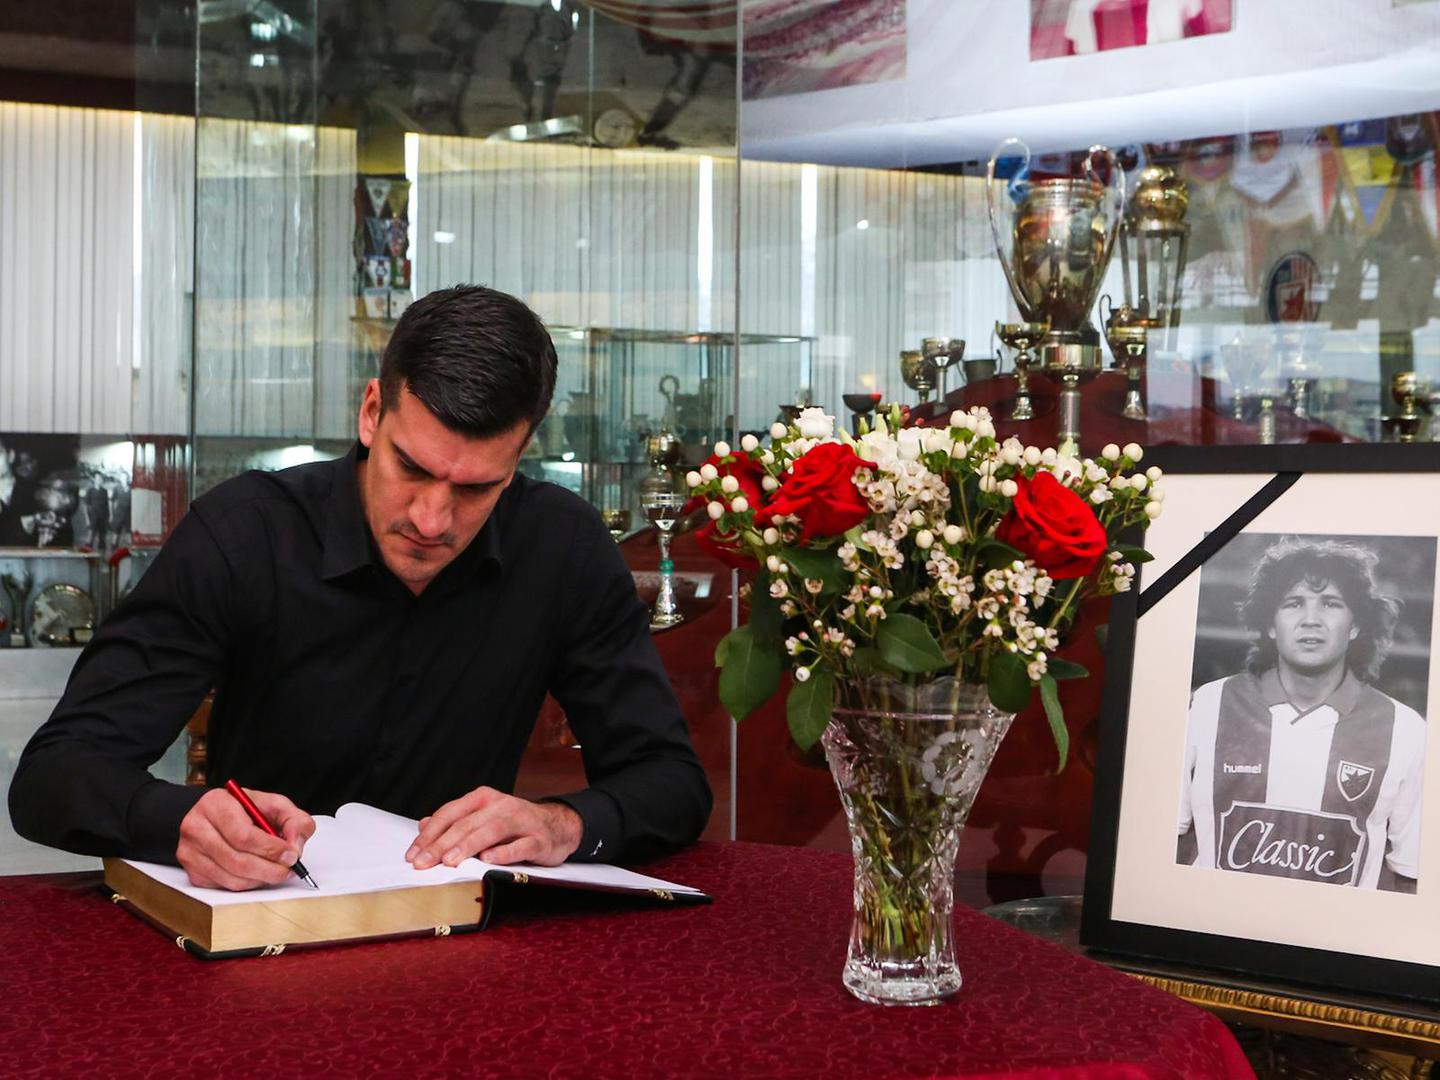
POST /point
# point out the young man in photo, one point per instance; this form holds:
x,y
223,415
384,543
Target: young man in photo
x,y
1298,767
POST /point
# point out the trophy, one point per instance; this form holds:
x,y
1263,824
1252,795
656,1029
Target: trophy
x,y
1054,255
18,590
1406,388
1297,370
1020,337
944,353
661,503
1243,365
862,407
1128,335
919,372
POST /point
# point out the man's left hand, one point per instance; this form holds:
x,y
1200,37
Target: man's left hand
x,y
499,828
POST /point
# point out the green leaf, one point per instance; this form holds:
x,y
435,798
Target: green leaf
x,y
853,535
817,563
1065,669
1009,682
1050,697
1136,555
867,661
997,554
765,617
907,644
722,648
749,675
807,709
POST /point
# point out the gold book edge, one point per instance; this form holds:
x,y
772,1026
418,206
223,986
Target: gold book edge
x,y
259,923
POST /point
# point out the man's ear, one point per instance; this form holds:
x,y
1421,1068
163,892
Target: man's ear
x,y
370,408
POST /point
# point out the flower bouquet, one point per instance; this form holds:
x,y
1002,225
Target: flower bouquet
x,y
916,581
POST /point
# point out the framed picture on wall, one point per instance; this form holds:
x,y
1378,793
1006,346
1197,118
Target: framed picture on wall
x,y
1267,795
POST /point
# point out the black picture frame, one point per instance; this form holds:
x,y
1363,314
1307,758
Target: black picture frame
x,y
1123,911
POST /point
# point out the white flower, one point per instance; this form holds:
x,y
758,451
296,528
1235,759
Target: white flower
x,y
1154,473
740,505
778,430
692,479
729,485
985,429
1110,452
769,483
749,443
813,587
954,534
714,509
792,646
1009,488
1067,469
772,563
708,471
815,423
788,609
1138,482
722,449
802,674
1032,455
1011,452
960,419
1157,494
1100,495
779,590
924,538
771,536
908,443
767,458
1133,451
1048,456
1152,510
875,611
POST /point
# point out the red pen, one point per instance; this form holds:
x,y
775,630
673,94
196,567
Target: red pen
x,y
256,816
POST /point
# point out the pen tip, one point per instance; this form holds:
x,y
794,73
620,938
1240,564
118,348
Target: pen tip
x,y
311,882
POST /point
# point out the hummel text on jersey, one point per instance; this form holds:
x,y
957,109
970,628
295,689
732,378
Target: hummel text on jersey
x,y
1229,768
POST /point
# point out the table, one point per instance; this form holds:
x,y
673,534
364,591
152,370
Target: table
x,y
574,985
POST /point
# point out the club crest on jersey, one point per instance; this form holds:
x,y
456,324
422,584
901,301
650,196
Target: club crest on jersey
x,y
1353,780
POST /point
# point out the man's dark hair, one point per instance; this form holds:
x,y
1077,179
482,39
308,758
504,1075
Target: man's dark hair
x,y
1349,568
478,359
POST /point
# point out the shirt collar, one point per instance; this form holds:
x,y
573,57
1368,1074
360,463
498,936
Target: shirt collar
x,y
349,545
1342,699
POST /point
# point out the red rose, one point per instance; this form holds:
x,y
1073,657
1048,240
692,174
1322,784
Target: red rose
x,y
1053,526
820,491
725,546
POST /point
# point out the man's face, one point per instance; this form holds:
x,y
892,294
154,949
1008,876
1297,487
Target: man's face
x,y
1313,628
427,490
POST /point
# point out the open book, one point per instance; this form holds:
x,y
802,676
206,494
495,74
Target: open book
x,y
367,890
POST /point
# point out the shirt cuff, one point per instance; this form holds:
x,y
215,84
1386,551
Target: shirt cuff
x,y
153,819
601,833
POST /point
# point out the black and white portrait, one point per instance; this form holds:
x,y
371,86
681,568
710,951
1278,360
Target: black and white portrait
x,y
1305,741
36,503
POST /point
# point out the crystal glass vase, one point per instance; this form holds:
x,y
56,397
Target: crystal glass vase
x,y
908,760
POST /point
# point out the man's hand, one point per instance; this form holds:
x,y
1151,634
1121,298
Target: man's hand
x,y
221,848
499,828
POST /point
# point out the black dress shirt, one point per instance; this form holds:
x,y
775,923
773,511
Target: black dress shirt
x,y
334,683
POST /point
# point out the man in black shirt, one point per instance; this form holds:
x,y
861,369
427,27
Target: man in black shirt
x,y
383,629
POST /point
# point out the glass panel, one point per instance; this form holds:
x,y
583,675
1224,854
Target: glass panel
x,y
1286,304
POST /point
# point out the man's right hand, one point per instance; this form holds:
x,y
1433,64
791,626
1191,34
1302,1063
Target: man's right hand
x,y
221,848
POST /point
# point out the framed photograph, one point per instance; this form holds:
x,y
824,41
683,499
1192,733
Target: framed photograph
x,y
1267,795
1077,27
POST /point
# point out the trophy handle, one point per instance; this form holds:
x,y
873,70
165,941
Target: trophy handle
x,y
1114,188
1002,238
1107,309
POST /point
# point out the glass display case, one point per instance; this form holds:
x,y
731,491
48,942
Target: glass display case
x,y
619,387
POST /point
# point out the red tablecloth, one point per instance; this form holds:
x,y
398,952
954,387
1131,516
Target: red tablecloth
x,y
593,987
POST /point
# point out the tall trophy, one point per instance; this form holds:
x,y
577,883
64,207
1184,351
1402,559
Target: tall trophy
x,y
1054,253
1021,337
1127,332
661,502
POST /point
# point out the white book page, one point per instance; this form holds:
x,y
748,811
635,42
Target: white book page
x,y
362,849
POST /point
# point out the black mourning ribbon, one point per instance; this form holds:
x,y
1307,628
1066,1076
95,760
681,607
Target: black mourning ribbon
x,y
1214,540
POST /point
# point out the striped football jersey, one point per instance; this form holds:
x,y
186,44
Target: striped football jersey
x,y
1324,795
